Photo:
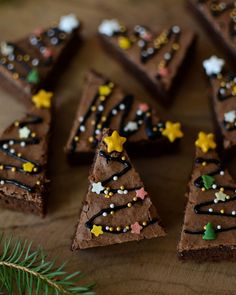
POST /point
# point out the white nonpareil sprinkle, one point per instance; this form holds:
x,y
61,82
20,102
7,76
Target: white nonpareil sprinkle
x,y
230,116
82,128
122,106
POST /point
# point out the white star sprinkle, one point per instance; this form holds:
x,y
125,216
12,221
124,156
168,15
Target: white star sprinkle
x,y
131,126
68,23
109,27
230,116
6,49
213,65
97,187
24,132
220,196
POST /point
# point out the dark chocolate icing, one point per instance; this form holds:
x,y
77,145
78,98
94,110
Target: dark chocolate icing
x,y
199,183
6,148
127,166
124,107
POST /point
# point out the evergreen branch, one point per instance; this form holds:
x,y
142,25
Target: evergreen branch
x,y
29,272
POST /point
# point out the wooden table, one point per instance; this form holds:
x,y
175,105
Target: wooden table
x,y
148,267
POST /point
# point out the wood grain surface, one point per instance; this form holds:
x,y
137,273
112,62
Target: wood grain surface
x,y
149,267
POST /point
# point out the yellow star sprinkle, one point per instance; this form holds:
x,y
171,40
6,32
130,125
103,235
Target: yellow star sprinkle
x,y
172,131
114,142
205,141
234,90
97,230
42,99
124,43
104,90
28,167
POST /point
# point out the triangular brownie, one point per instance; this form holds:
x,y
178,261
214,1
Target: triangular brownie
x,y
24,156
116,208
30,64
154,58
210,217
218,18
105,105
223,93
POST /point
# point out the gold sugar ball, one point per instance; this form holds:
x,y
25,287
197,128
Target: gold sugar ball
x,y
93,108
15,76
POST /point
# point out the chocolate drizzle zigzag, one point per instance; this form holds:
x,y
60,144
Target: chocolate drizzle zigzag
x,y
112,209
6,147
151,45
25,67
227,90
198,208
124,107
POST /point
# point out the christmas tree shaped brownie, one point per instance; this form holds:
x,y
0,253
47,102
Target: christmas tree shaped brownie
x,y
209,230
154,58
219,18
24,156
31,63
117,207
223,93
105,105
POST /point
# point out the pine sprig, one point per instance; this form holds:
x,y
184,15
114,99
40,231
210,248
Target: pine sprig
x,y
24,271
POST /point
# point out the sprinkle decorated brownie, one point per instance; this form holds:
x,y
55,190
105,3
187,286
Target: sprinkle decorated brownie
x,y
223,93
219,19
24,157
209,230
31,63
117,207
105,105
155,58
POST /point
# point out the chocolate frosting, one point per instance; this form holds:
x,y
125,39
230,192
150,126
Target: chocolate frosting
x,y
15,151
197,213
107,165
127,107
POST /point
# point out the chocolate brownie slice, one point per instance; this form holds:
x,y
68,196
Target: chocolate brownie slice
x,y
209,230
24,157
223,94
105,105
219,18
154,58
117,207
32,63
